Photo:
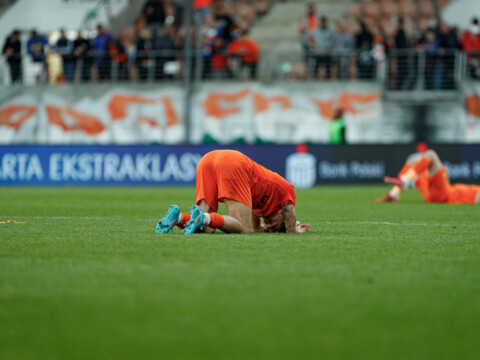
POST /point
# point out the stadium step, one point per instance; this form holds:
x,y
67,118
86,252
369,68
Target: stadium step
x,y
277,31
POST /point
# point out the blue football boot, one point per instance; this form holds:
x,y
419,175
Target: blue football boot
x,y
196,220
169,220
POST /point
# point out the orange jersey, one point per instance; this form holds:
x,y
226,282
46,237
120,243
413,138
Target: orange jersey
x,y
440,190
232,175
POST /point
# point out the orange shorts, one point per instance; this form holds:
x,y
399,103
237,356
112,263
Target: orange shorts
x,y
224,174
440,190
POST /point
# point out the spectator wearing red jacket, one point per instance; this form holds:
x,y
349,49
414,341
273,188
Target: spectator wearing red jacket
x,y
471,45
247,51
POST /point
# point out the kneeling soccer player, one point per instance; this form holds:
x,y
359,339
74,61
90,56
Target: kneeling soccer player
x,y
427,173
250,192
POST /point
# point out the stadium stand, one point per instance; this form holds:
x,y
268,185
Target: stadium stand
x,y
407,49
150,47
146,41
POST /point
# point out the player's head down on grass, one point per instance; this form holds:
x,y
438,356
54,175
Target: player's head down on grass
x,y
250,192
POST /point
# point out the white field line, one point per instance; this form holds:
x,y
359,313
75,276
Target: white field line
x,y
395,224
69,217
324,222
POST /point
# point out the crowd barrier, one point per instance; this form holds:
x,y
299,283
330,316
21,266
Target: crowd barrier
x,y
304,166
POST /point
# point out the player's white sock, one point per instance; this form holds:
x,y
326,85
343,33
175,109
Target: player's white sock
x,y
206,218
394,194
408,182
179,217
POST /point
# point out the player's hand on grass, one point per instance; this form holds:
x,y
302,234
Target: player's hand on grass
x,y
303,228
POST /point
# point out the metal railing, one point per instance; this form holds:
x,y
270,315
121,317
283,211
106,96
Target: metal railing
x,y
158,65
410,70
398,70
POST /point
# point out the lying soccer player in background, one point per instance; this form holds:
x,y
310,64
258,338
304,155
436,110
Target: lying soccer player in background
x,y
250,192
427,173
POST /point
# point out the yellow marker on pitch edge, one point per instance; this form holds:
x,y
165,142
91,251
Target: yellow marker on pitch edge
x,y
12,222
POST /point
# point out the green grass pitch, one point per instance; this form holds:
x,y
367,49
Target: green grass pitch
x,y
87,278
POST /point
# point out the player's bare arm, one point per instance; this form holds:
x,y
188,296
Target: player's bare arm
x,y
257,225
290,220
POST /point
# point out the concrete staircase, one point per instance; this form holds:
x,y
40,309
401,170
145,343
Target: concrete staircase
x,y
277,34
5,4
127,16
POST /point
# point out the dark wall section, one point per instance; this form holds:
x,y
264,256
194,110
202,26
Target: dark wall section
x,y
302,165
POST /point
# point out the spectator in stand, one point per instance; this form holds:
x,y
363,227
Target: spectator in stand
x,y
219,60
82,56
128,42
457,32
36,49
306,25
180,41
471,45
322,45
401,56
202,10
343,46
173,14
365,36
209,34
118,56
447,42
223,16
216,36
65,49
243,14
202,13
432,75
365,61
261,7
154,13
140,23
165,46
247,50
416,43
144,53
379,55
101,61
12,51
